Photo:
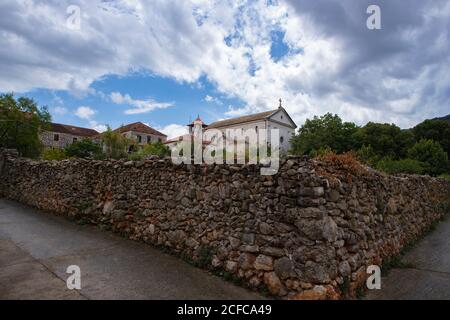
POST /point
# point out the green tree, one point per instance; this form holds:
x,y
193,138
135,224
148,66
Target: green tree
x,y
115,145
21,120
85,148
409,166
432,154
151,149
385,140
367,155
325,132
436,130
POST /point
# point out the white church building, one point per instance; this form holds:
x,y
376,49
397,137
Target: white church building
x,y
273,119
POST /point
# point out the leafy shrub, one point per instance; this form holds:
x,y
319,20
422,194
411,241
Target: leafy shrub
x,y
445,176
408,166
367,155
116,145
85,148
432,155
320,152
54,154
151,149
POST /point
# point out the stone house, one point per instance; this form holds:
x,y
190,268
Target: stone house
x,y
141,133
62,135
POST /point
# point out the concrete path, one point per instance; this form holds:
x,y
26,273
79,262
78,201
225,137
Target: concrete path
x,y
429,275
36,248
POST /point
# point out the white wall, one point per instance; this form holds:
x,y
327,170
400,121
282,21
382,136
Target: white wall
x,y
282,116
285,131
282,122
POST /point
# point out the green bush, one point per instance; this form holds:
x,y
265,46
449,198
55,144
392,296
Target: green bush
x,y
54,154
432,154
445,176
85,148
116,145
151,149
320,152
408,166
367,155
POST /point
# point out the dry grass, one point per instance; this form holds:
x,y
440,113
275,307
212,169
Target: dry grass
x,y
335,166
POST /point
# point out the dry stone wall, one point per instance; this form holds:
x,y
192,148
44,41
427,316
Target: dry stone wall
x,y
308,232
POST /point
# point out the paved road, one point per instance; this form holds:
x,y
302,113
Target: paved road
x,y
36,248
429,275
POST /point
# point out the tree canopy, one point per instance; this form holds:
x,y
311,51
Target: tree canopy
x,y
431,154
21,121
437,130
423,149
115,145
327,131
384,139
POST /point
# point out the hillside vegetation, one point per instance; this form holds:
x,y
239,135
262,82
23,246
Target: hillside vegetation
x,y
423,149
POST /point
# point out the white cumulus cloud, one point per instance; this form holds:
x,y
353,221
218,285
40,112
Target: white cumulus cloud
x,y
333,63
139,106
173,130
84,112
87,113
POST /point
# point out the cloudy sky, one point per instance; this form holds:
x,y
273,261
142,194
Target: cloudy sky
x,y
163,62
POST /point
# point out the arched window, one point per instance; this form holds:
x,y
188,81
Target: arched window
x,y
281,139
256,129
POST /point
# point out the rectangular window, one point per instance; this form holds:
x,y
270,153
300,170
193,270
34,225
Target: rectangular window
x,y
139,138
75,139
56,137
149,139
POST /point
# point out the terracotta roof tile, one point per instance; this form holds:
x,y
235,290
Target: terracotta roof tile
x,y
139,127
76,131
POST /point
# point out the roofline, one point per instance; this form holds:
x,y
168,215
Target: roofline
x,y
262,119
237,123
139,122
281,108
159,133
95,132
